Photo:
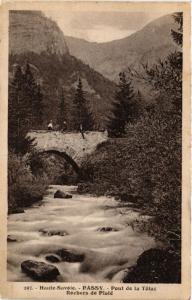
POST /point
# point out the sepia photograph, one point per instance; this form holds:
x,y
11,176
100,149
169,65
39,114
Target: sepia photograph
x,y
94,159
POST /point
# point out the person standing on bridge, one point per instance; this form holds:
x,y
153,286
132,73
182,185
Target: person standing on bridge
x,y
50,125
81,131
64,126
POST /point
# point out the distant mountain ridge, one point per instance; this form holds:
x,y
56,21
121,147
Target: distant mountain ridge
x,y
146,45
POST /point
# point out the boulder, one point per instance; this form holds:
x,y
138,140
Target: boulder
x,y
68,256
130,198
155,266
11,239
60,194
39,271
68,196
53,258
107,229
53,232
17,211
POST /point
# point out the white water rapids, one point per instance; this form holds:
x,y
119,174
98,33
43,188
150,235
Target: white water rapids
x,y
107,254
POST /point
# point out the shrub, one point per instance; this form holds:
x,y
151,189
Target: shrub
x,y
23,187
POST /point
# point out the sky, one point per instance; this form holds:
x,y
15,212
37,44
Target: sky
x,y
101,26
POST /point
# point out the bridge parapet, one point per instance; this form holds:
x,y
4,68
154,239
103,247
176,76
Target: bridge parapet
x,y
70,143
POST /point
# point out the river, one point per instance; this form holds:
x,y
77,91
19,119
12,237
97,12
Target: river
x,y
77,224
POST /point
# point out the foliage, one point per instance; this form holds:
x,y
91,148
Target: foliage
x,y
25,109
124,108
38,108
166,80
82,116
18,117
178,35
29,93
24,187
159,166
89,120
62,110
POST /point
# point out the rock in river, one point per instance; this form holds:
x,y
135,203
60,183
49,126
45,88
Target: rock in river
x,y
67,255
53,258
39,271
60,194
17,211
11,239
107,229
52,232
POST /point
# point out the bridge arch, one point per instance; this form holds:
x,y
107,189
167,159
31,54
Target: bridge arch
x,y
68,158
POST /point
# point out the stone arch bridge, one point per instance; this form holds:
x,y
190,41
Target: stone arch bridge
x,y
71,146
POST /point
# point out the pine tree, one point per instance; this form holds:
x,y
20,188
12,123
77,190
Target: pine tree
x,y
82,116
34,99
178,35
30,93
38,107
176,61
62,110
124,107
88,124
79,103
18,114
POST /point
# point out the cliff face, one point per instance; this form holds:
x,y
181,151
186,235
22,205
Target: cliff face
x,y
32,31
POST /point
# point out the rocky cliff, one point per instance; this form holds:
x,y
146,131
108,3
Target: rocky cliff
x,y
32,31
